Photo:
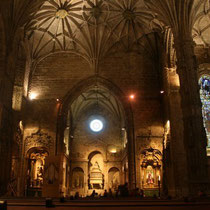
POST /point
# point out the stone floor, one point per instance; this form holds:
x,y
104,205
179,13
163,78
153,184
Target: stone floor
x,y
126,204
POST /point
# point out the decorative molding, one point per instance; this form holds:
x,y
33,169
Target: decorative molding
x,y
38,139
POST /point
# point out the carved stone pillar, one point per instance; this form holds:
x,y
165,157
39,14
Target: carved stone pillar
x,y
194,133
6,131
106,177
181,18
6,137
131,159
86,174
175,162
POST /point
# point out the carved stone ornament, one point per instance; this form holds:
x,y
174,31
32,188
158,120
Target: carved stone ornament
x,y
38,139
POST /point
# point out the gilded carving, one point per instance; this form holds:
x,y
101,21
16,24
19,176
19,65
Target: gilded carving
x,y
38,139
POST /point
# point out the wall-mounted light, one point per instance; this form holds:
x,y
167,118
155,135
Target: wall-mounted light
x,y
21,125
162,91
168,124
113,151
33,96
132,96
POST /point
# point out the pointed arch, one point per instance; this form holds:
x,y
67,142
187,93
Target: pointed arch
x,y
128,116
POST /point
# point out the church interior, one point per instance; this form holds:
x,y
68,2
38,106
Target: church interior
x,y
100,94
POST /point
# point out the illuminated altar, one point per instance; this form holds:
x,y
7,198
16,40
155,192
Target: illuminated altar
x,y
36,168
151,168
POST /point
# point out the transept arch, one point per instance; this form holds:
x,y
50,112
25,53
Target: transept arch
x,y
120,98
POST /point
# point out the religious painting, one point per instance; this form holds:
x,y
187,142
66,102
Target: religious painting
x,y
149,175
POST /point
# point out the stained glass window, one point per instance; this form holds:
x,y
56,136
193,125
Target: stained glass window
x,y
204,83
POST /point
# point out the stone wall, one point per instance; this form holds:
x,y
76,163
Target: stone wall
x,y
132,73
57,74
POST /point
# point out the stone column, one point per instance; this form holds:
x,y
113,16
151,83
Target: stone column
x,y
6,120
194,133
181,19
105,172
86,178
131,151
175,162
6,134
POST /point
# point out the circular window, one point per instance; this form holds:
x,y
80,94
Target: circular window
x,y
96,125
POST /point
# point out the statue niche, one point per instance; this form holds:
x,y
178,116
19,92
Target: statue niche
x,y
35,171
151,168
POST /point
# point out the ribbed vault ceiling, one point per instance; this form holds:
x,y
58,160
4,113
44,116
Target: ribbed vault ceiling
x,y
99,98
201,29
90,28
93,28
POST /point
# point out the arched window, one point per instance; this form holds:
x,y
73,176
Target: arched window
x,y
204,83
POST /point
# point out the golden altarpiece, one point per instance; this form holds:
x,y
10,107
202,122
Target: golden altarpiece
x,y
151,170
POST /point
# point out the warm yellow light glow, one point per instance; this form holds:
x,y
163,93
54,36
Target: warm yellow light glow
x,y
21,125
132,96
113,151
208,151
168,124
162,91
33,96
